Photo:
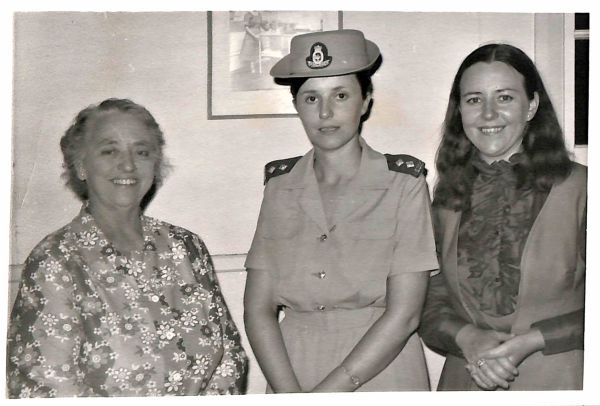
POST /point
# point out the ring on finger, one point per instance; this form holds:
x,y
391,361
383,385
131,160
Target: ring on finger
x,y
480,362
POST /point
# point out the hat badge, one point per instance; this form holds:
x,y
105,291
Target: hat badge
x,y
318,57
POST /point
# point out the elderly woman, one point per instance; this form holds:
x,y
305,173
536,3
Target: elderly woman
x,y
510,221
344,240
116,303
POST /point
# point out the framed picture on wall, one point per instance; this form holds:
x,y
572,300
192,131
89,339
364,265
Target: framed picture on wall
x,y
242,48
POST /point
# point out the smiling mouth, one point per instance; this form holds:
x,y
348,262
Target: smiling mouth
x,y
328,129
491,130
125,182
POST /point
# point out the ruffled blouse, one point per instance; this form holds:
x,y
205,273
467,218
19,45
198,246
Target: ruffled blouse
x,y
91,321
492,235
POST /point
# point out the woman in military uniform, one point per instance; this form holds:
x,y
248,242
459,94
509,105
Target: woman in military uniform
x,y
344,240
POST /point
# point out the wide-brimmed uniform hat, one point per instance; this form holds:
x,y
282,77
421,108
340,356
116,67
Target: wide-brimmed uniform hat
x,y
327,53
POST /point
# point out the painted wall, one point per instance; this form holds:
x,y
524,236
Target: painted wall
x,y
66,61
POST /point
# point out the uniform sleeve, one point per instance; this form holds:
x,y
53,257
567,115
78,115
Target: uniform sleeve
x,y
44,337
230,375
259,255
415,246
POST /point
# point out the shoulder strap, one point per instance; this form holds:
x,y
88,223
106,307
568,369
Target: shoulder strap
x,y
279,167
406,164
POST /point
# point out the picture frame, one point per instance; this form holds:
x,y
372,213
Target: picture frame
x,y
242,48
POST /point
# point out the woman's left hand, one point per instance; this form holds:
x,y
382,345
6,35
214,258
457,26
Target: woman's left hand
x,y
512,351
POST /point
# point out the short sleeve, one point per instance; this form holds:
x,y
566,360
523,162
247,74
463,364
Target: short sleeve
x,y
258,257
414,250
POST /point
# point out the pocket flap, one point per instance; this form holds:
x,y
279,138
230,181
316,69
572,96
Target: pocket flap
x,y
379,229
281,227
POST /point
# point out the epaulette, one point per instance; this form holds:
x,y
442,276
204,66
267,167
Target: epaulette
x,y
279,167
406,164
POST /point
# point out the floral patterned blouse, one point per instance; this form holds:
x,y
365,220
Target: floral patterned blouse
x,y
91,321
492,235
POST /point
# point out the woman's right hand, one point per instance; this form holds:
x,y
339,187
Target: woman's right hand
x,y
491,373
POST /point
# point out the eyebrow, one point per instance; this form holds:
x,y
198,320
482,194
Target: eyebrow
x,y
335,89
496,91
108,141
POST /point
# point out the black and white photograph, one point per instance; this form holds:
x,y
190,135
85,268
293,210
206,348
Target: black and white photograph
x,y
259,199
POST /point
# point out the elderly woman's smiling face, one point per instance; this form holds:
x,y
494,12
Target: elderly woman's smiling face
x,y
118,161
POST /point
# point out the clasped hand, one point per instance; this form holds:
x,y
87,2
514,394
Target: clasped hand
x,y
493,356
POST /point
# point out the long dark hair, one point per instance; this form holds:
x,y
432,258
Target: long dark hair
x,y
545,159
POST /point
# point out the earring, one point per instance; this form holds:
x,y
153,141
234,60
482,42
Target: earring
x,y
81,175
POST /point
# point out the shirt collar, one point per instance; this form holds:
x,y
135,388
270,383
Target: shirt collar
x,y
497,167
90,234
373,172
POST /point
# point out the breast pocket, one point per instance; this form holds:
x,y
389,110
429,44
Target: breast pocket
x,y
369,247
281,228
368,256
280,237
378,229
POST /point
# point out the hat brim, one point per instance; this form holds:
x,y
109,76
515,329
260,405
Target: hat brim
x,y
283,68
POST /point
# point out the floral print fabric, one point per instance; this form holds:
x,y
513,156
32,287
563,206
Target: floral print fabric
x,y
492,236
90,321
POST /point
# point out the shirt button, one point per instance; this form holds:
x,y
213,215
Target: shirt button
x,y
321,307
322,274
154,298
506,209
323,237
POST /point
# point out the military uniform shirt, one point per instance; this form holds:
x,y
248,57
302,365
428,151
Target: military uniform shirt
x,y
382,228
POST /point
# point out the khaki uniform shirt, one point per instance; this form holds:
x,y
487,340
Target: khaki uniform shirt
x,y
382,228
